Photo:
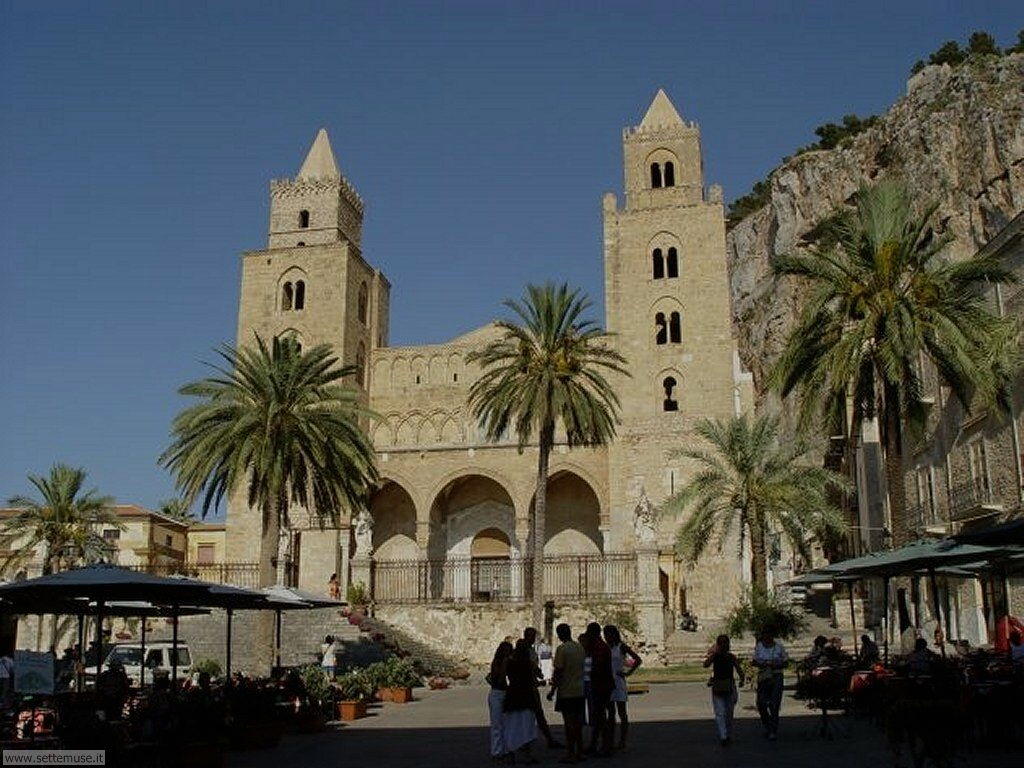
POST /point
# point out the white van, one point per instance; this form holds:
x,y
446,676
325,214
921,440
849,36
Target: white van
x,y
158,657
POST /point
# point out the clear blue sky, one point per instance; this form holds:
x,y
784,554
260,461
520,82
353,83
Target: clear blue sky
x,y
138,140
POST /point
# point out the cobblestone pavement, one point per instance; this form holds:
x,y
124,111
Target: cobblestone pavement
x,y
671,726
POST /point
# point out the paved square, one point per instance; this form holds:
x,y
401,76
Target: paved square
x,y
671,726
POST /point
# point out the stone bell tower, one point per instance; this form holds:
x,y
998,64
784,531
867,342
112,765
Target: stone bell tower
x,y
667,302
313,284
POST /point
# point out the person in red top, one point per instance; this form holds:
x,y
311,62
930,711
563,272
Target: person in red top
x,y
602,684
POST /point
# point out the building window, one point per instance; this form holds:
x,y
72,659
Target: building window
x,y
205,554
660,329
655,176
111,534
455,377
287,293
300,294
168,541
300,243
303,220
669,403
364,298
659,264
672,263
925,495
417,378
670,174
675,333
979,464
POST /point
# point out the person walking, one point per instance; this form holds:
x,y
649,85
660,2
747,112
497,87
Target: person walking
x,y
530,636
602,684
334,587
723,687
329,657
519,723
770,659
498,681
567,683
620,693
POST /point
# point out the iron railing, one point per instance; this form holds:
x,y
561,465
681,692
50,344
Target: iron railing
x,y
569,577
973,497
240,574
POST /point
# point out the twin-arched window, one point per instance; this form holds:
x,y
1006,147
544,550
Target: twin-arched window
x,y
364,300
670,331
303,219
665,264
293,295
663,174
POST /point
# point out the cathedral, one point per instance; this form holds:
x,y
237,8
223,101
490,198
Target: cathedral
x,y
447,526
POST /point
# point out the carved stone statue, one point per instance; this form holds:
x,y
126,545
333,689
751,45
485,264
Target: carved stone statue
x,y
364,533
645,521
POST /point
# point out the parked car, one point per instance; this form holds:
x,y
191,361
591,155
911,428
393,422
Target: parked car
x,y
158,657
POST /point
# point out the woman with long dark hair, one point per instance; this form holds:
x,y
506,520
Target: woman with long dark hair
x,y
498,681
723,688
519,725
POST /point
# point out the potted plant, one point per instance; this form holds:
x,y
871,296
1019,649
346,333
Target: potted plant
x,y
399,678
353,689
358,598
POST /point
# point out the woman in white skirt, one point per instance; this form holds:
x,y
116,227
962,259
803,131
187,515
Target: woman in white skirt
x,y
519,724
620,652
498,680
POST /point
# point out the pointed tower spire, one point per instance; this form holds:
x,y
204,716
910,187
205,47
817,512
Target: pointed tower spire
x,y
661,112
320,162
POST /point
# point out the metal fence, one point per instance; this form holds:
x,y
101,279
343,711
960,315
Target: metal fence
x,y
235,574
502,579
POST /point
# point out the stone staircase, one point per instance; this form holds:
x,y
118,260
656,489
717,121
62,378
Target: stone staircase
x,y
428,659
691,647
302,633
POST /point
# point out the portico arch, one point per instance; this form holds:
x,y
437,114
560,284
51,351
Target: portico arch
x,y
394,523
573,518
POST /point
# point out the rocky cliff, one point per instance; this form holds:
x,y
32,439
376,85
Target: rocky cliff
x,y
956,138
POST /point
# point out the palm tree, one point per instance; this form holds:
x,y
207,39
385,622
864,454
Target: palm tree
x,y
65,521
178,509
752,481
548,367
277,421
881,299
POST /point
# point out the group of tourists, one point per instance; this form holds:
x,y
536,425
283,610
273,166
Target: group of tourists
x,y
587,680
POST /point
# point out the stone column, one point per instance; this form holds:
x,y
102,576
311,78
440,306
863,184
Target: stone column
x,y
519,567
649,606
344,544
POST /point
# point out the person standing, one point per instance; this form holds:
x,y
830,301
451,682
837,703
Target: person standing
x,y
602,684
620,693
723,687
334,587
498,681
329,658
530,636
519,724
770,659
567,683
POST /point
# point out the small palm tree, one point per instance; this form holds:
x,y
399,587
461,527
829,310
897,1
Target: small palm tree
x,y
178,509
880,300
547,368
65,521
277,421
751,482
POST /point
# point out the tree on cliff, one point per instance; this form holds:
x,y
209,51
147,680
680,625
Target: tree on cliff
x,y
880,298
548,368
752,484
277,421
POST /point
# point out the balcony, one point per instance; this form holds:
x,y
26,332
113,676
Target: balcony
x,y
976,498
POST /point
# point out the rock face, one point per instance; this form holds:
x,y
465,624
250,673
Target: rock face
x,y
956,139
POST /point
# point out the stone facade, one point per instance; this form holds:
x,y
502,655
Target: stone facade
x,y
447,494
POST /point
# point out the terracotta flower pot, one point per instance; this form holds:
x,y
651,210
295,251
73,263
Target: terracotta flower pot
x,y
351,710
400,695
384,694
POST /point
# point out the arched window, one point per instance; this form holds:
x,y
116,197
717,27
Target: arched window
x,y
672,263
655,175
670,174
361,364
286,297
675,334
300,243
363,301
659,264
303,219
669,403
300,294
661,330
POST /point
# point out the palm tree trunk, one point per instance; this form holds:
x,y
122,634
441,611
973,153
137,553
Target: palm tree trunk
x,y
892,446
540,504
758,556
268,545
